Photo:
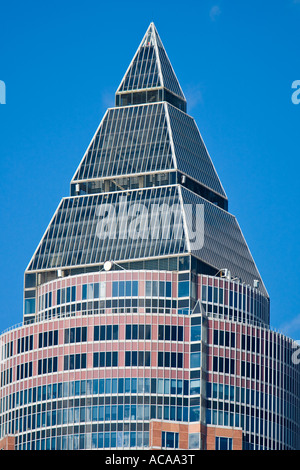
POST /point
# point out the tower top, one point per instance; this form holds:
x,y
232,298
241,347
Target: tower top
x,y
150,76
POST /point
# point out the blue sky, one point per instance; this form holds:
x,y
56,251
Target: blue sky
x,y
236,62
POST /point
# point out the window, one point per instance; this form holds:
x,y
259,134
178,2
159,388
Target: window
x,y
195,387
196,333
25,344
48,338
169,440
167,333
75,361
24,371
65,295
29,306
125,289
226,365
93,291
161,289
137,358
195,360
138,331
106,332
76,335
194,441
105,359
225,338
184,289
167,359
223,443
47,365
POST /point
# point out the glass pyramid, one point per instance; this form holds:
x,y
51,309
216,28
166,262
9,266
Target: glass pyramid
x,y
145,168
150,67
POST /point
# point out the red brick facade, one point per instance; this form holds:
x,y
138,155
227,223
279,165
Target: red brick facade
x,y
7,443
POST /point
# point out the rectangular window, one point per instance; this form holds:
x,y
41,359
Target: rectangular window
x,y
169,440
105,359
168,289
137,358
196,333
138,332
184,289
223,443
115,289
76,335
29,306
73,293
195,360
168,359
47,365
167,333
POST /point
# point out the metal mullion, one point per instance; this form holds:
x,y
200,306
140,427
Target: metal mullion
x,y
152,65
100,170
133,73
102,153
141,132
91,160
146,73
158,119
123,120
136,133
170,133
139,142
140,76
108,134
72,233
80,240
90,245
128,119
138,242
181,223
160,243
97,198
115,140
119,138
114,134
146,241
151,250
149,111
46,238
153,116
163,139
168,198
42,256
136,73
133,132
131,254
59,240
96,166
78,227
87,231
69,234
165,151
109,246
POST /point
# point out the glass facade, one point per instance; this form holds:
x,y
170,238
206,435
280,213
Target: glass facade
x,y
146,323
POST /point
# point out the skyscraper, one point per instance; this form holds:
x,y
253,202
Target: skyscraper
x,y
146,321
